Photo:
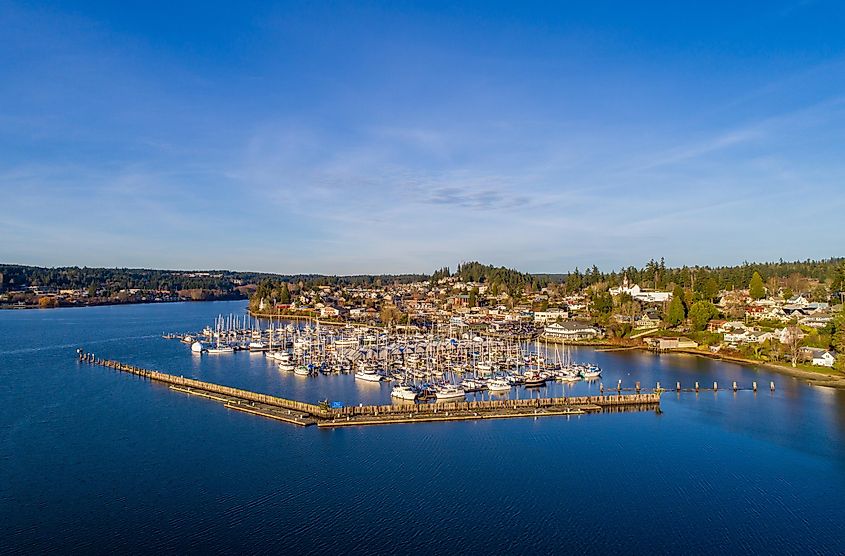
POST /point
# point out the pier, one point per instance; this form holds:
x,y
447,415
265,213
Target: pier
x,y
323,415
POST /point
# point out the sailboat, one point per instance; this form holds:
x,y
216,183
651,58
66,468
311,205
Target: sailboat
x,y
218,347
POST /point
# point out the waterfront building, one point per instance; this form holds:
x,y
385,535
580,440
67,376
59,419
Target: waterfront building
x,y
570,330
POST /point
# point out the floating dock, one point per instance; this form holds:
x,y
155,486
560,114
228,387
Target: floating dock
x,y
322,415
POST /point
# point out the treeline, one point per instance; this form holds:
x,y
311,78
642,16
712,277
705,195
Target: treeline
x,y
500,277
793,275
311,281
654,274
112,280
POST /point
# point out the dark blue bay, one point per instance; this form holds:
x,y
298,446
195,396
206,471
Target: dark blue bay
x,y
94,461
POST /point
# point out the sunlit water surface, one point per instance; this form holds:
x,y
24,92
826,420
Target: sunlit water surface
x,y
96,461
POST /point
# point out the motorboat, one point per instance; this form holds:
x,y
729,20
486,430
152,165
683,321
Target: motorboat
x,y
498,385
450,392
533,380
404,392
368,375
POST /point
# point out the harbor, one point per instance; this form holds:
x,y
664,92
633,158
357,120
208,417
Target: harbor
x,y
81,436
444,363
328,414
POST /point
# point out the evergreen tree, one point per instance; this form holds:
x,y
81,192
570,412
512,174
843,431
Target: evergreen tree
x,y
675,312
603,303
678,293
756,288
837,340
284,294
711,289
701,313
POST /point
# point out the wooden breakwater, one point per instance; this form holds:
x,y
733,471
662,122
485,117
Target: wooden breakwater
x,y
209,389
302,413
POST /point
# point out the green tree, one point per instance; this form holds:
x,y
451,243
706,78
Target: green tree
x,y
837,339
473,297
675,312
756,288
710,289
678,293
701,313
283,294
603,303
820,293
573,281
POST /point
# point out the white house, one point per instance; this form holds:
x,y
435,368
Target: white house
x,y
645,296
826,359
819,357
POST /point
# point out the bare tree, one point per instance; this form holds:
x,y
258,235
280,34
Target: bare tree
x,y
793,342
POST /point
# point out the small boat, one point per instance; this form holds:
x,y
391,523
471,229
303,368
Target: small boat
x,y
533,380
403,392
473,385
368,375
498,385
450,392
591,372
197,347
301,370
220,350
285,366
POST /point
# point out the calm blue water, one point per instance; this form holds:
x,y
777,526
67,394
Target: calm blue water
x,y
98,462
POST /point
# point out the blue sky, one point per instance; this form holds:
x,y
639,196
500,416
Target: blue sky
x,y
369,137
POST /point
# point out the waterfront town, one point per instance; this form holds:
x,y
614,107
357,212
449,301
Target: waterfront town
x,y
794,319
793,327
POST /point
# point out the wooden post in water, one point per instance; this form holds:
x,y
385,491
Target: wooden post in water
x,y
619,386
637,386
658,387
678,386
734,386
715,385
772,386
696,386
754,385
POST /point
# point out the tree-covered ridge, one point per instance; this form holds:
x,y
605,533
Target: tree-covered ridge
x,y
15,277
115,279
706,279
511,280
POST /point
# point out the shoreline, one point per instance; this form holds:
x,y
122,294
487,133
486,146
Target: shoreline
x,y
833,379
822,377
116,303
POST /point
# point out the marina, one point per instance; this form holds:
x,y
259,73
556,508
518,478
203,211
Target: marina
x,y
442,364
337,415
97,442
